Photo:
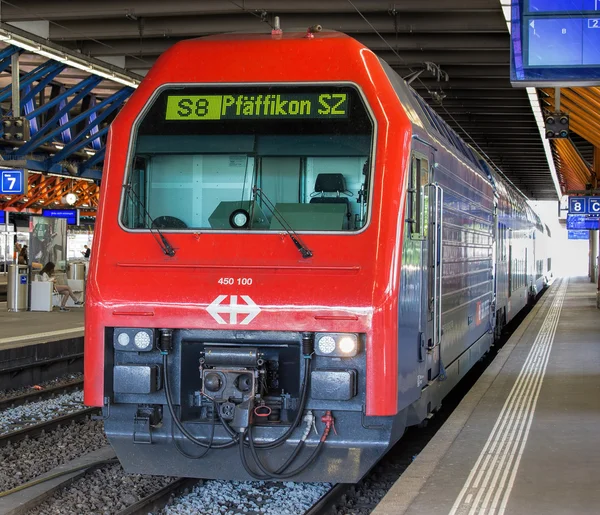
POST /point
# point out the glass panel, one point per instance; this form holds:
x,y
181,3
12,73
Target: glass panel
x,y
224,158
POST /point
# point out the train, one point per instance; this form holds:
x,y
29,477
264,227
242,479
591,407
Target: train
x,y
295,259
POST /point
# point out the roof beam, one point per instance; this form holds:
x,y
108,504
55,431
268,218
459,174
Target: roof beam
x,y
194,26
473,42
75,10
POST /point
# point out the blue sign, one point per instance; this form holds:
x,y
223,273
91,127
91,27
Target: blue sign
x,y
23,279
2,217
69,214
583,222
584,205
555,42
578,235
577,205
593,205
13,182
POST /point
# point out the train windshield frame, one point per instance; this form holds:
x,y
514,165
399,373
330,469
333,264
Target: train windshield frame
x,y
251,157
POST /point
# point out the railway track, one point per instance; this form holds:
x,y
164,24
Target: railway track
x,y
35,429
38,395
328,500
156,501
33,371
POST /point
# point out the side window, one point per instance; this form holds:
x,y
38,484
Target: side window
x,y
418,198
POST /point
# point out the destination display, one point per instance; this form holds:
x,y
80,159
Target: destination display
x,y
2,217
240,106
555,42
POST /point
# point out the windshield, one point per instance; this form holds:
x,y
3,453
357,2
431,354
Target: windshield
x,y
217,157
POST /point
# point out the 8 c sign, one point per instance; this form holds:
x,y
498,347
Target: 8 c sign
x,y
584,205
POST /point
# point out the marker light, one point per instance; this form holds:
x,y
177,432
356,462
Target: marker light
x,y
326,344
142,340
123,339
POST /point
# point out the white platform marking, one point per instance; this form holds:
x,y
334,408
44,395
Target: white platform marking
x,y
35,336
486,490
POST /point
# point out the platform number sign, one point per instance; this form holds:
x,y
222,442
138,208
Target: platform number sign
x,y
577,205
13,182
593,205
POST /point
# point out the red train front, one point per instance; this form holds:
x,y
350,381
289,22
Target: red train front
x,y
245,273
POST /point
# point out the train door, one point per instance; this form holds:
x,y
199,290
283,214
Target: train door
x,y
423,229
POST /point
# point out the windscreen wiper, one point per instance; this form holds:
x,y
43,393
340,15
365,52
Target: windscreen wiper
x,y
164,244
304,250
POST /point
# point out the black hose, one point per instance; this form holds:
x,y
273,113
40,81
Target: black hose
x,y
178,423
268,474
287,462
209,445
284,437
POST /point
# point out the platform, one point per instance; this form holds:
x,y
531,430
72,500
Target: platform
x,y
3,286
27,328
526,438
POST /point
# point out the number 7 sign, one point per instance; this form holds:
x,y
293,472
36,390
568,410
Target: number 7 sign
x,y
13,182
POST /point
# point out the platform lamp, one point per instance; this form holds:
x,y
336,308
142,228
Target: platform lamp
x,y
556,125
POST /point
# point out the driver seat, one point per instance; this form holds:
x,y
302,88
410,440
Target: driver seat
x,y
331,183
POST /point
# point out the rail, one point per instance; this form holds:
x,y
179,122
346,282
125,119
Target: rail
x,y
38,395
48,425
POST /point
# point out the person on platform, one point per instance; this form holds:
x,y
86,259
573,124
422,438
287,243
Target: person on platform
x,y
23,256
47,275
86,252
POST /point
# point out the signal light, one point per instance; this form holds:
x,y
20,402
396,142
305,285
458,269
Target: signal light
x,y
16,128
556,125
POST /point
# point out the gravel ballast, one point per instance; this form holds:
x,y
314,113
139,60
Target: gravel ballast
x,y
59,381
215,497
27,459
13,419
104,491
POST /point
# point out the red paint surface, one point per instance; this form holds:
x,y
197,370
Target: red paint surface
x,y
351,282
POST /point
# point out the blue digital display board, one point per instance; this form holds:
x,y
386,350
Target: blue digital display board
x,y
583,222
555,42
2,217
69,214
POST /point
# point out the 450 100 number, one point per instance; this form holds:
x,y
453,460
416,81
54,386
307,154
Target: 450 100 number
x,y
230,281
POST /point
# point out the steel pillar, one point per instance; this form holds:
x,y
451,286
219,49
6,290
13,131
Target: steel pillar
x,y
16,78
593,256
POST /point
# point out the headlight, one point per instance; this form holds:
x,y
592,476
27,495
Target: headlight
x,y
133,339
336,344
347,345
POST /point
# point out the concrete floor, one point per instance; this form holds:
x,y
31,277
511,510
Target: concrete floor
x,y
19,329
526,438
